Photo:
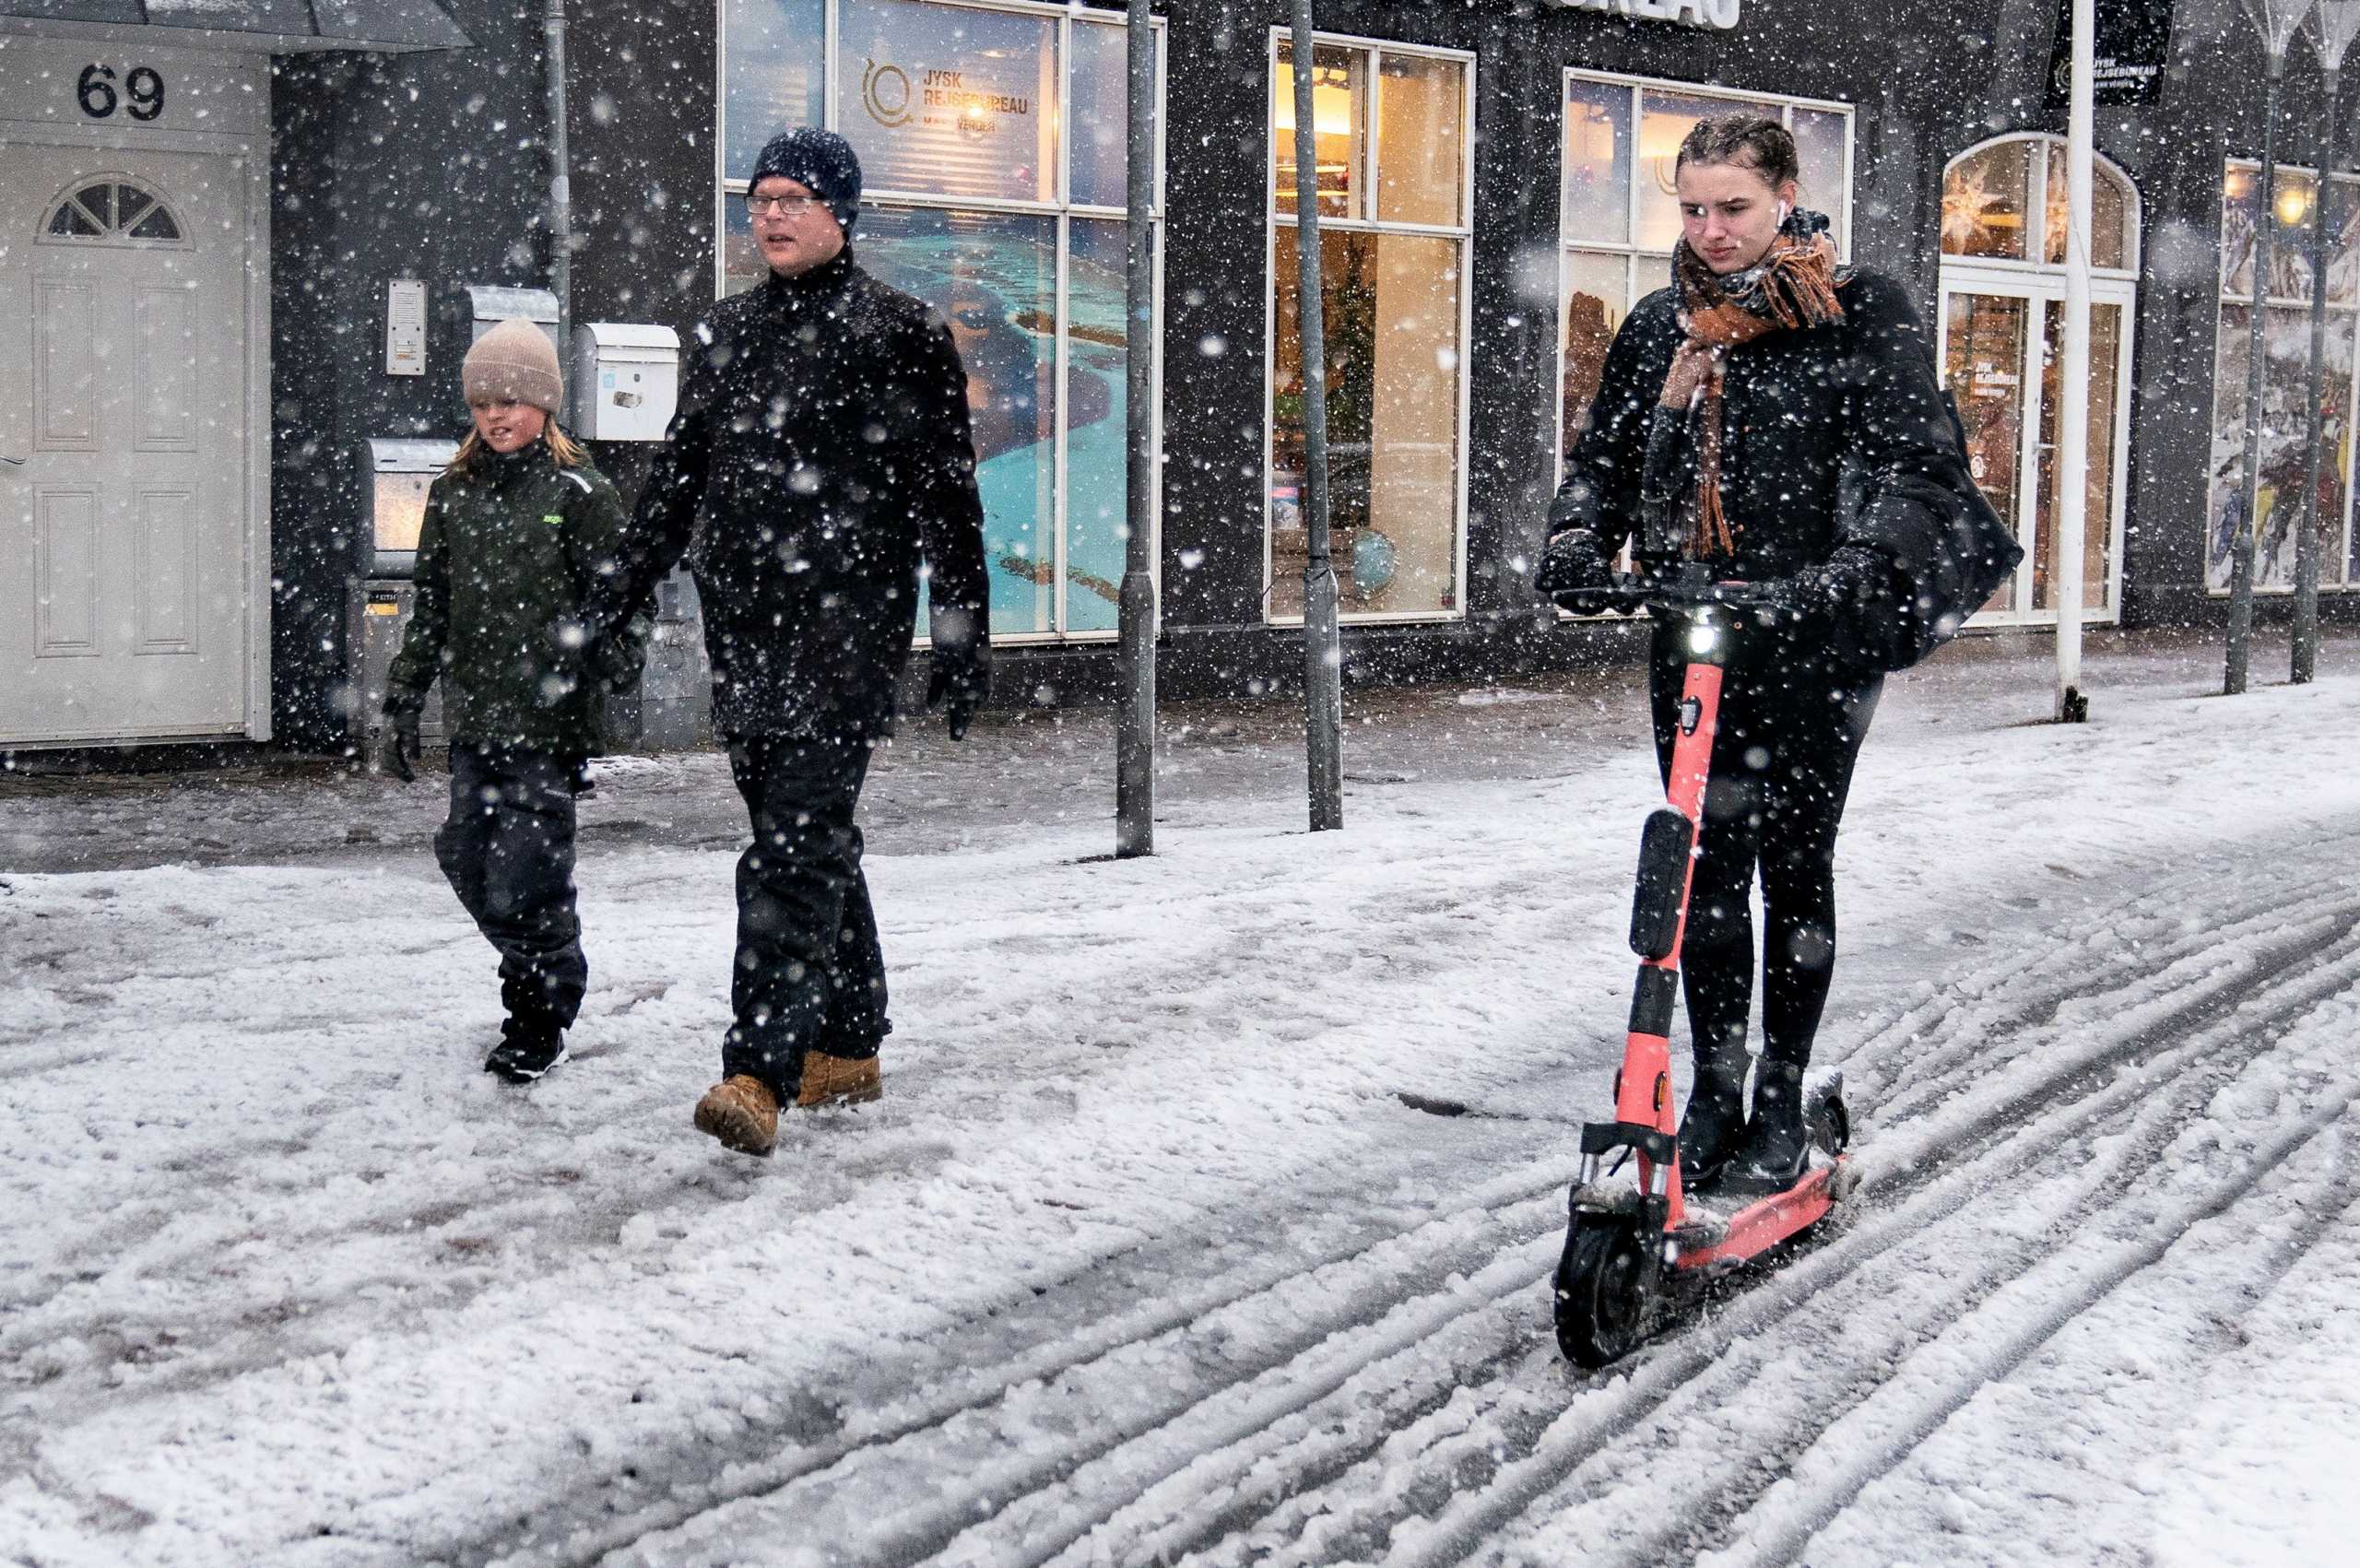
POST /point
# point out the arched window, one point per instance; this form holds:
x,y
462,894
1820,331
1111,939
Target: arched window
x,y
2005,201
2004,234
111,210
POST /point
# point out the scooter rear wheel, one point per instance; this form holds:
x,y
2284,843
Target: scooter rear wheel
x,y
1601,1290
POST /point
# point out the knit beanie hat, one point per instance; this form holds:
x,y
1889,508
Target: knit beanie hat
x,y
514,362
821,162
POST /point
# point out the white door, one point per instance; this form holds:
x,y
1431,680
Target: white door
x,y
126,591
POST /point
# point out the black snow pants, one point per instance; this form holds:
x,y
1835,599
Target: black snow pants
x,y
508,851
809,973
1791,722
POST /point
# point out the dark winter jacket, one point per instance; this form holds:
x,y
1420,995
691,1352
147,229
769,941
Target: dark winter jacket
x,y
822,444
505,556
1831,436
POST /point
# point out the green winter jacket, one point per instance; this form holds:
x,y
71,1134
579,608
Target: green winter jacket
x,y
506,555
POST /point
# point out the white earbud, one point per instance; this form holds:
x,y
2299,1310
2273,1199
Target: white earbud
x,y
1784,209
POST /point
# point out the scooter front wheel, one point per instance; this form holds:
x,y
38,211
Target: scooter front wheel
x,y
1601,1290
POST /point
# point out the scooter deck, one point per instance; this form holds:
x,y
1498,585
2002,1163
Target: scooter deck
x,y
1710,1238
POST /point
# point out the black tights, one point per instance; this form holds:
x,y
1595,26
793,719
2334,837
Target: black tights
x,y
1790,726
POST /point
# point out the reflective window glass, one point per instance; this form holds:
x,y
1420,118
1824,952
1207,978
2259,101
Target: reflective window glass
x,y
1339,123
773,55
1986,203
993,277
949,101
1420,140
1819,147
1389,304
1101,113
1598,164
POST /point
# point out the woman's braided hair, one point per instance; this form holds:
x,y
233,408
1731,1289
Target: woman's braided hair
x,y
1750,141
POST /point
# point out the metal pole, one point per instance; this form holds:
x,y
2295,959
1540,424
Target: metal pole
x,y
1135,719
561,183
1323,687
2241,544
2073,372
2304,661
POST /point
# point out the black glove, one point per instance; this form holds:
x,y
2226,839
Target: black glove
x,y
1850,598
962,678
1574,573
397,745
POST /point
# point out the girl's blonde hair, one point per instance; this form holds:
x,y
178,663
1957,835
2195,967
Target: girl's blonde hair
x,y
568,452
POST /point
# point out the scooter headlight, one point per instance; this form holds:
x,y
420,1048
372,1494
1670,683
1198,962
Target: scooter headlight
x,y
1703,639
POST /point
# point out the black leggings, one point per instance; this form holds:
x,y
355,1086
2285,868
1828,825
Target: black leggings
x,y
1791,724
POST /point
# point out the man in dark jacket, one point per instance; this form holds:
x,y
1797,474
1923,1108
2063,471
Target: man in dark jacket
x,y
822,443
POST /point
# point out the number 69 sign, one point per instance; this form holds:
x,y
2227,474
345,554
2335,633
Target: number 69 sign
x,y
141,95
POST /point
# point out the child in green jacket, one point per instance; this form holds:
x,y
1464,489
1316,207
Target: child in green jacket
x,y
517,532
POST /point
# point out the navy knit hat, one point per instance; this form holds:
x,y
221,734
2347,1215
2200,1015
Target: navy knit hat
x,y
821,161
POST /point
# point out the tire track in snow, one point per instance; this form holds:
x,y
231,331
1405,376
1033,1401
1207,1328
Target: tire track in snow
x,y
1112,1478
1783,1521
1703,1376
2189,1010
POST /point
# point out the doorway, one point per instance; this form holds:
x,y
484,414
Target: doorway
x,y
127,532
2002,329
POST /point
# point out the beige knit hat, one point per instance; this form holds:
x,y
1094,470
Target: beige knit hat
x,y
514,362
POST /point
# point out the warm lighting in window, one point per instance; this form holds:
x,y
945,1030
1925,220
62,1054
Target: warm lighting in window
x,y
1331,102
2293,202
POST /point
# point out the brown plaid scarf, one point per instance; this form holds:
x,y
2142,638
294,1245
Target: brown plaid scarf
x,y
1793,285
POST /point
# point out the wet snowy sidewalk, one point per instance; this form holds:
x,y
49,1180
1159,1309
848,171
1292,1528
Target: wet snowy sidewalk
x,y
1143,1257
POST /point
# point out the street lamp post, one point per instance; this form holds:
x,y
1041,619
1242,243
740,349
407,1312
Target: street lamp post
x,y
2276,21
1323,673
2333,25
2073,370
1135,718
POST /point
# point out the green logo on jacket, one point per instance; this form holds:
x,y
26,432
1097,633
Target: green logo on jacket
x,y
554,519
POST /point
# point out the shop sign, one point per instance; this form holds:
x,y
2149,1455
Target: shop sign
x,y
1722,14
2133,44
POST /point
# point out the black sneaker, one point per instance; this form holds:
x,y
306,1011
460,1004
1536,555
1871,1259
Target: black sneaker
x,y
520,1057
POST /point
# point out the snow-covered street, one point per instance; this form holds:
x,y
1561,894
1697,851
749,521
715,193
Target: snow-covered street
x,y
1143,1258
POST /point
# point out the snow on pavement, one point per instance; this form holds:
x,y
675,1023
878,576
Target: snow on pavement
x,y
1143,1257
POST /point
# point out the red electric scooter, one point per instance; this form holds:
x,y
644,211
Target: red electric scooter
x,y
1638,1248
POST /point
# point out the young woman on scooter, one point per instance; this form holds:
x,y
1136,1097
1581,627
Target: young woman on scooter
x,y
1775,415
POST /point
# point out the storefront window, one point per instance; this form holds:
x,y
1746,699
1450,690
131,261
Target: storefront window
x,y
1618,219
2286,381
1393,310
977,203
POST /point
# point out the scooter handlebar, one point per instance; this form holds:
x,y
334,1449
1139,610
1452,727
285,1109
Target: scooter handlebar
x,y
1690,587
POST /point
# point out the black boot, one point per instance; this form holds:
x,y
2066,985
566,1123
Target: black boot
x,y
1711,1126
532,1041
526,1050
1775,1141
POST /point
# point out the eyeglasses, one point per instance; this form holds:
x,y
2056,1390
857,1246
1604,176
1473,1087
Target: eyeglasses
x,y
786,207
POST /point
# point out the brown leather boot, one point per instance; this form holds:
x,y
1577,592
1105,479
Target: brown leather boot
x,y
742,1113
838,1080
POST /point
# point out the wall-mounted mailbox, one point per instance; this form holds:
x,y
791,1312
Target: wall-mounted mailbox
x,y
626,380
396,476
495,302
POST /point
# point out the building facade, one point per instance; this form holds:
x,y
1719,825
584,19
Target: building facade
x,y
245,249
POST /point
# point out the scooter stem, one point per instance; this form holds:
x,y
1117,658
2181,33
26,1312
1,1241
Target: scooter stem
x,y
1644,1090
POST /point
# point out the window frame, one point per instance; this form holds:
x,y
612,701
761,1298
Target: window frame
x,y
1067,14
1462,233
